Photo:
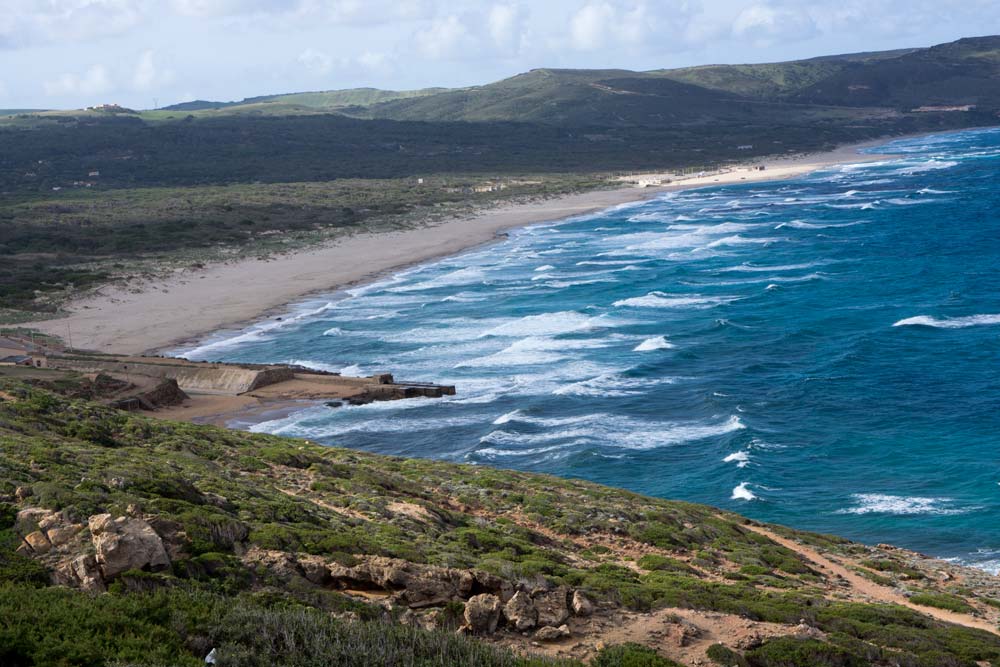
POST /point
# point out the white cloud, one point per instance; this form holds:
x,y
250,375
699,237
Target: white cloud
x,y
93,81
442,38
765,25
373,60
26,23
147,76
506,24
589,26
316,61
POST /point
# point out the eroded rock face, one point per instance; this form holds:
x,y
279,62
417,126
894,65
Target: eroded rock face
x,y
581,604
520,612
552,606
126,543
416,585
482,614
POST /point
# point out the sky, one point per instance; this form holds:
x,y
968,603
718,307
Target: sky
x,y
145,53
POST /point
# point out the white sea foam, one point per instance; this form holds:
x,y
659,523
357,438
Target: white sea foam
x,y
656,343
661,300
743,492
316,365
257,332
467,276
741,459
613,431
949,323
533,350
801,224
552,324
879,503
899,201
610,384
779,267
334,331
545,267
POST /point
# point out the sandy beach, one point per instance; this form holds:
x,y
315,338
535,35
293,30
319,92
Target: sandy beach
x,y
195,303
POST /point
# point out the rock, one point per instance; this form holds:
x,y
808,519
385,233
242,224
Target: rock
x,y
416,585
581,604
126,543
79,572
62,535
753,640
38,542
805,631
482,614
315,570
550,634
22,493
28,519
552,607
520,611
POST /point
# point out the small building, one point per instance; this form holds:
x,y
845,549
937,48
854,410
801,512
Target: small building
x,y
93,173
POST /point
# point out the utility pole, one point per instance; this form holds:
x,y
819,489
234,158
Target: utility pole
x,y
69,335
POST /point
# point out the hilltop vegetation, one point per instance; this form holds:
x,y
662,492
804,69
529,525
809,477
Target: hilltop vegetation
x,y
267,548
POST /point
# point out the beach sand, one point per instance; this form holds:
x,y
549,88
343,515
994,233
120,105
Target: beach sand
x,y
195,303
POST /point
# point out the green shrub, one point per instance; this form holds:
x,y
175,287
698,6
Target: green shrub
x,y
725,656
942,601
794,652
630,655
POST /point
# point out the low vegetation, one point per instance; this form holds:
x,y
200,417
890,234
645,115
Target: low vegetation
x,y
231,495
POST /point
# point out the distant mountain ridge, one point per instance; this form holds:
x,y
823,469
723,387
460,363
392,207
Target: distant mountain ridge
x,y
329,99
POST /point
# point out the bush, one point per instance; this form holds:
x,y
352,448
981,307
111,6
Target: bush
x,y
942,601
723,655
630,655
793,652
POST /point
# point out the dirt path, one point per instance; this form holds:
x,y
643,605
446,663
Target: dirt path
x,y
869,588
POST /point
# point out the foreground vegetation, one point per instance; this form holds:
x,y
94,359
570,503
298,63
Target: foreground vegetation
x,y
233,505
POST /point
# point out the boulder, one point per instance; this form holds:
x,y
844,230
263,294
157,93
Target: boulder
x,y
38,542
80,572
552,606
581,604
126,543
482,614
520,612
551,634
28,519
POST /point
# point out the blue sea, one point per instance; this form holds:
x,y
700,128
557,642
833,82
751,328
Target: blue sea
x,y
821,352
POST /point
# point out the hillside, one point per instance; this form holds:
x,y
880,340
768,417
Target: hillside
x,y
317,101
124,538
840,88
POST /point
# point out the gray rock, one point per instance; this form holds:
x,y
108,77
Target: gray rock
x,y
552,606
581,604
520,611
124,544
482,614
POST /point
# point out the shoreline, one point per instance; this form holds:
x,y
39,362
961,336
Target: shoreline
x,y
230,296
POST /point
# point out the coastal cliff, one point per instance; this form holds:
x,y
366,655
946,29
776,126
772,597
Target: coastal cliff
x,y
126,540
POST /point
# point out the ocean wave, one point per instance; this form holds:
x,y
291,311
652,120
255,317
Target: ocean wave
x,y
551,324
521,417
545,267
900,201
316,365
465,276
610,384
949,323
878,503
533,350
257,332
334,331
656,343
801,224
741,459
743,492
614,432
661,300
779,267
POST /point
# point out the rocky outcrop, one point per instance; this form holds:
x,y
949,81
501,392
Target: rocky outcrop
x,y
552,606
482,614
126,543
417,585
520,612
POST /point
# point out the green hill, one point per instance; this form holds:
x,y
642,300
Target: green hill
x,y
321,100
958,73
126,540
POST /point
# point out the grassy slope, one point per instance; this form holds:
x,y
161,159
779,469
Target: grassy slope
x,y
285,495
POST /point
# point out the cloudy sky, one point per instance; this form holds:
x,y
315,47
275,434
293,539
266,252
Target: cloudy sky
x,y
72,53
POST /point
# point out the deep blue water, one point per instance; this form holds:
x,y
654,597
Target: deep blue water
x,y
820,352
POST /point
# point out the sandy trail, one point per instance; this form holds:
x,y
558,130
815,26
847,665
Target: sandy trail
x,y
869,588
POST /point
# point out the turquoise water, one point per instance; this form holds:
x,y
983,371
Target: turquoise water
x,y
820,352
